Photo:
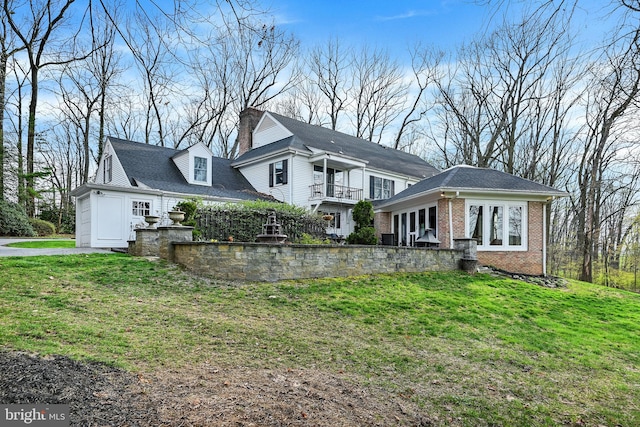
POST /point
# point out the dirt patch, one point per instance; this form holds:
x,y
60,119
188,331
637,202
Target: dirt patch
x,y
99,395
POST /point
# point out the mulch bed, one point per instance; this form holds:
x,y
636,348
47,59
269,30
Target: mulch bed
x,y
205,395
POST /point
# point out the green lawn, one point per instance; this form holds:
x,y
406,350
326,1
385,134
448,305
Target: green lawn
x,y
484,350
44,244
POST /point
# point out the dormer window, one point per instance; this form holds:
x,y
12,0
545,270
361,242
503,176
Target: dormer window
x,y
200,169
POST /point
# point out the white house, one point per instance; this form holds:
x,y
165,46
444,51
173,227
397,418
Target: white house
x,y
135,179
327,172
321,169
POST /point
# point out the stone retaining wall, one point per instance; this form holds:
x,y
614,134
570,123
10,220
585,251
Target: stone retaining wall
x,y
271,263
274,262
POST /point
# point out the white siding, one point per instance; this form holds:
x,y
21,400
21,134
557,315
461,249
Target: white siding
x,y
182,162
269,131
400,183
199,150
118,176
302,178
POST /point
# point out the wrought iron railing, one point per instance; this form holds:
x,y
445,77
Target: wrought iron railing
x,y
321,191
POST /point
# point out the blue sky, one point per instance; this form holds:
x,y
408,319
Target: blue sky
x,y
396,24
381,22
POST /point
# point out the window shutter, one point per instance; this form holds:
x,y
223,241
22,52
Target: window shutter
x,y
372,187
393,189
285,173
270,174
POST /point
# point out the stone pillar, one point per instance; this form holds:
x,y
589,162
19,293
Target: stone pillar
x,y
169,234
469,249
146,243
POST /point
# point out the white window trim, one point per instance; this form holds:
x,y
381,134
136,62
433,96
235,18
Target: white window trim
x,y
138,208
485,246
206,170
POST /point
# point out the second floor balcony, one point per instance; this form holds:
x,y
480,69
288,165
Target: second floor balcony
x,y
334,192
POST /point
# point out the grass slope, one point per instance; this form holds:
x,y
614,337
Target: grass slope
x,y
476,349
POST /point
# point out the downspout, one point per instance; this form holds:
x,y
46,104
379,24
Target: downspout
x,y
450,223
291,179
544,239
451,216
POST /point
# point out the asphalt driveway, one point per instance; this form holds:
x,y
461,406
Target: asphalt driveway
x,y
8,251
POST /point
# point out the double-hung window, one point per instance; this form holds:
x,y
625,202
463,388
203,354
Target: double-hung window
x,y
380,188
497,225
278,173
200,169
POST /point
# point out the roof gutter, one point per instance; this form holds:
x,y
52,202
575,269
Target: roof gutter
x,y
88,187
259,159
485,191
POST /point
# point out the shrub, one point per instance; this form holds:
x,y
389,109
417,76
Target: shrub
x,y
308,239
63,219
14,220
244,221
364,233
190,208
363,236
363,214
42,227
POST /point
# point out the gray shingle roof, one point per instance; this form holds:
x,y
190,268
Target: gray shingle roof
x,y
152,166
472,178
378,156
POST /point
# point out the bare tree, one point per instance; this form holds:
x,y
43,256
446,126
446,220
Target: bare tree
x,y
7,50
472,110
245,62
16,100
329,65
43,50
613,90
425,64
149,38
490,98
378,92
83,90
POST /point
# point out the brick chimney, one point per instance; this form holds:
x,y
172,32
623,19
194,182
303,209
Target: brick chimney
x,y
249,119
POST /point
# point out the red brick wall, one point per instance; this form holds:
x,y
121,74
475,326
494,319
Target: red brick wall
x,y
527,262
249,119
382,223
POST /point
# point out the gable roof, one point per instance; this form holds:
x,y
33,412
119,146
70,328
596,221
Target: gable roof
x,y
152,166
307,136
474,179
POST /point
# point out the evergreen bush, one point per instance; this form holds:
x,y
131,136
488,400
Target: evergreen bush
x,y
63,219
14,220
364,233
243,221
42,227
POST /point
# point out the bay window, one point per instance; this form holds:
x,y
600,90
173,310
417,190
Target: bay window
x,y
497,225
